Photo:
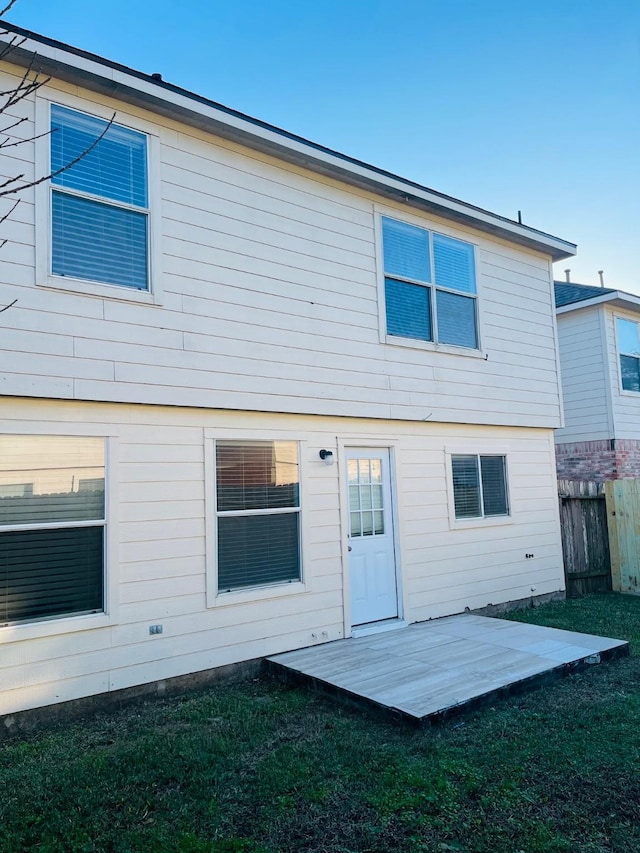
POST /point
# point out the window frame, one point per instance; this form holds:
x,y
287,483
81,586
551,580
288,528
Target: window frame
x,y
59,625
617,318
44,197
432,287
478,450
277,589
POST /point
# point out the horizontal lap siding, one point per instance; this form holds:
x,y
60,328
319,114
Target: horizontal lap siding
x,y
585,377
271,303
626,405
161,543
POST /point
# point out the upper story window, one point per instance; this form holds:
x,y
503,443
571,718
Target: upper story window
x,y
430,285
629,349
100,205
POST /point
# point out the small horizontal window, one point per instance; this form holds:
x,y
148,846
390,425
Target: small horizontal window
x,y
479,486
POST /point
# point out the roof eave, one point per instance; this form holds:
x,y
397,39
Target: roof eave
x,y
617,298
133,87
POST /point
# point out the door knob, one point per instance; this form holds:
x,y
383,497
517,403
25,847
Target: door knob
x,y
349,547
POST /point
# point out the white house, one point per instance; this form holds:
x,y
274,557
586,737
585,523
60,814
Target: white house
x,y
255,393
599,344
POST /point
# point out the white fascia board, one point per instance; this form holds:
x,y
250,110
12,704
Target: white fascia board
x,y
136,88
617,298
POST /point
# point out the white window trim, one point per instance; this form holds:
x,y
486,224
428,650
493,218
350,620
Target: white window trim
x,y
57,626
246,595
475,449
416,343
43,194
625,392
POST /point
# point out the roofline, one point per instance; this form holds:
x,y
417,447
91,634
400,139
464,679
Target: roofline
x,y
114,80
618,298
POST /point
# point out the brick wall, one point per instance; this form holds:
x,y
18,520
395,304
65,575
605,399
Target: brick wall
x,y
611,459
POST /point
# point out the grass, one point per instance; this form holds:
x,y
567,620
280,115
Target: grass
x,y
263,768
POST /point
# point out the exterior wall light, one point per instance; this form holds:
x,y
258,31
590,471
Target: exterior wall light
x,y
326,456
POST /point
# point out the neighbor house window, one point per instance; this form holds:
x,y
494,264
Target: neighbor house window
x,y
629,349
52,526
100,205
479,486
258,513
430,285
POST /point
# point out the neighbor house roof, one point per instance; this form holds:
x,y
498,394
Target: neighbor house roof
x,y
567,292
570,297
149,91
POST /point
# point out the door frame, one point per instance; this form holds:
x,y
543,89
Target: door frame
x,y
345,444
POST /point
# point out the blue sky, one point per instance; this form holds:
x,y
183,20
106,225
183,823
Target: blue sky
x,y
507,104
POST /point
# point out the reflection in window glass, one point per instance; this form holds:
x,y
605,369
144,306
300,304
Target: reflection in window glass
x,y
57,570
258,505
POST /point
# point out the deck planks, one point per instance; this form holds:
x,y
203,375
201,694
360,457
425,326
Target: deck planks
x,y
431,669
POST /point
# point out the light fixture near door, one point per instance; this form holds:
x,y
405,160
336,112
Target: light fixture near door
x,y
326,456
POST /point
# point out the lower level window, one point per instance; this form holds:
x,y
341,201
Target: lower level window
x,y
479,486
52,526
258,513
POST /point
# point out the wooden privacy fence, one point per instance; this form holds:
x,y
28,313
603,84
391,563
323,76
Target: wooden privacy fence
x,y
600,535
585,537
623,512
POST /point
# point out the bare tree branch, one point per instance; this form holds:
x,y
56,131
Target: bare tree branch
x,y
5,192
30,82
6,215
7,8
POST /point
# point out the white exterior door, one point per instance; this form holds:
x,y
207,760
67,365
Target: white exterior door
x,y
372,565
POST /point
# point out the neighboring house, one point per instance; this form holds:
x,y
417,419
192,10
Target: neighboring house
x,y
599,344
210,312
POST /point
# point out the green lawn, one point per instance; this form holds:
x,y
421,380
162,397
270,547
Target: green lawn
x,y
262,768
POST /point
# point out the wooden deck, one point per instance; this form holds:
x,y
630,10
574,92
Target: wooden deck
x,y
432,669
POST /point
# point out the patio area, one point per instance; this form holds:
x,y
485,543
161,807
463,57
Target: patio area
x,y
432,669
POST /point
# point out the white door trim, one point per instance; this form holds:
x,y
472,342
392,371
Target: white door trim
x,y
344,445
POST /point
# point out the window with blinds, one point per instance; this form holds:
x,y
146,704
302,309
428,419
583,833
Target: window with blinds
x,y
629,349
479,486
52,527
430,285
100,205
258,513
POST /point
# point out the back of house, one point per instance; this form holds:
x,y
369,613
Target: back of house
x,y
255,394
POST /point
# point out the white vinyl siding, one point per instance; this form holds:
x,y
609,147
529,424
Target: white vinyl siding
x,y
161,543
585,375
270,302
625,403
